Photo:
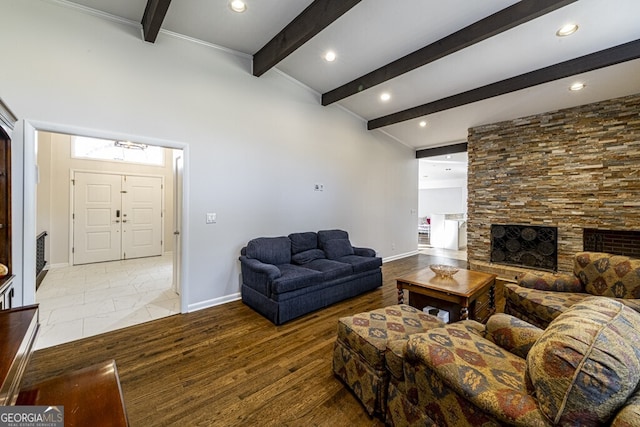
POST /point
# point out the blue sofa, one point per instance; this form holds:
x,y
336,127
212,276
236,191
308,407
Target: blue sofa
x,y
286,277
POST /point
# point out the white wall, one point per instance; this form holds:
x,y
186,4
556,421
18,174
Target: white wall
x,y
254,147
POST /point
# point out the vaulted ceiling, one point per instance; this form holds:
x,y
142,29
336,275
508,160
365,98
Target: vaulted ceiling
x,y
449,64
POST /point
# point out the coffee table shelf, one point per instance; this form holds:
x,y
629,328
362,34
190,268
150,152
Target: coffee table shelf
x,y
468,294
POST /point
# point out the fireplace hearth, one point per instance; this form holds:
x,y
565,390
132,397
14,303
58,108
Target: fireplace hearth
x,y
528,246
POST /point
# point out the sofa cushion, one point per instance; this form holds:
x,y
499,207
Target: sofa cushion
x,y
325,235
301,242
361,264
337,248
608,275
270,250
586,364
330,269
307,256
294,277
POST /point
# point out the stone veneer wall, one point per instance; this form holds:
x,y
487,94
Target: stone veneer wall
x,y
574,168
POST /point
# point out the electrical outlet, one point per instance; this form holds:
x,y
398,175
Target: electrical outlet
x,y
318,187
211,217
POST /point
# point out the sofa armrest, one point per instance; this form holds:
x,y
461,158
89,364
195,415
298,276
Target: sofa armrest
x,y
480,373
633,303
551,282
366,252
258,275
513,334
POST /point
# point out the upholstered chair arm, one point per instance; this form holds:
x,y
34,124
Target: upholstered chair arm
x,y
366,252
258,275
513,334
551,282
468,380
631,303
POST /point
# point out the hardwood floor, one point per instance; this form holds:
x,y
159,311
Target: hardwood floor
x,y
229,366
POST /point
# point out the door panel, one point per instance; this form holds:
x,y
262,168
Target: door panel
x,y
96,231
141,216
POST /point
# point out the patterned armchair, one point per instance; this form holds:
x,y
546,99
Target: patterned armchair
x,y
540,297
584,369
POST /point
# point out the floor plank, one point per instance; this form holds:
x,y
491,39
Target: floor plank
x,y
229,366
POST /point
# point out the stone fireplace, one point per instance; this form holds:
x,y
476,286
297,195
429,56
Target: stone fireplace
x,y
571,169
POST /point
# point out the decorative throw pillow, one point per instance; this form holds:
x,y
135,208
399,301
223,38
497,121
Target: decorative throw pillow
x,y
270,250
608,275
307,256
325,235
586,364
337,248
301,242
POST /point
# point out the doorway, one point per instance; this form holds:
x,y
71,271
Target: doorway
x,y
141,241
442,204
116,217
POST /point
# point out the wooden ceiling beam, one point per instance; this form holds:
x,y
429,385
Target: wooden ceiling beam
x,y
594,61
154,14
439,151
501,21
315,18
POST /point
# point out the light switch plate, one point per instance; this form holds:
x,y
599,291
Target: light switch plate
x,y
211,217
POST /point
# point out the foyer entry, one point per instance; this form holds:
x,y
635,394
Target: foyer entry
x,y
116,217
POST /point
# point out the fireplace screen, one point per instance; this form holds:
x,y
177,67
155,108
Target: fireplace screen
x,y
525,246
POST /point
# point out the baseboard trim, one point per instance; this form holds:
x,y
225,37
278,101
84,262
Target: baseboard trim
x,y
400,256
213,302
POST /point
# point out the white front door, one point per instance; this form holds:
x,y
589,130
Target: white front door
x,y
141,216
96,231
116,217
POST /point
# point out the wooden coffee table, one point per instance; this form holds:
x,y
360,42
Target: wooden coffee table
x,y
468,294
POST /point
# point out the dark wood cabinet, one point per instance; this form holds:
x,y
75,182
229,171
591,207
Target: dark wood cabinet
x,y
7,122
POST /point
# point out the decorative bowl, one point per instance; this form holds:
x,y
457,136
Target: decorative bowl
x,y
444,271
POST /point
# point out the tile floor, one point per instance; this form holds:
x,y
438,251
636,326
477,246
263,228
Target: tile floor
x,y
447,253
86,300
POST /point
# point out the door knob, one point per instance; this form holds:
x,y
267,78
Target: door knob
x,y
124,220
117,221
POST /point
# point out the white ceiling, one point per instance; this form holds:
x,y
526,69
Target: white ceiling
x,y
442,171
376,32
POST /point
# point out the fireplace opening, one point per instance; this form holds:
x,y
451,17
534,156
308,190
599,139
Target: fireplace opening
x,y
528,246
618,242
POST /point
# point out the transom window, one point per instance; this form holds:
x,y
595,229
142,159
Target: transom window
x,y
83,147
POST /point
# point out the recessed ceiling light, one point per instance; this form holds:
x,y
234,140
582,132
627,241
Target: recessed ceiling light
x,y
448,156
423,124
577,86
238,6
567,30
330,56
385,96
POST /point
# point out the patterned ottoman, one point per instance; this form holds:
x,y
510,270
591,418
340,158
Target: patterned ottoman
x,y
359,351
